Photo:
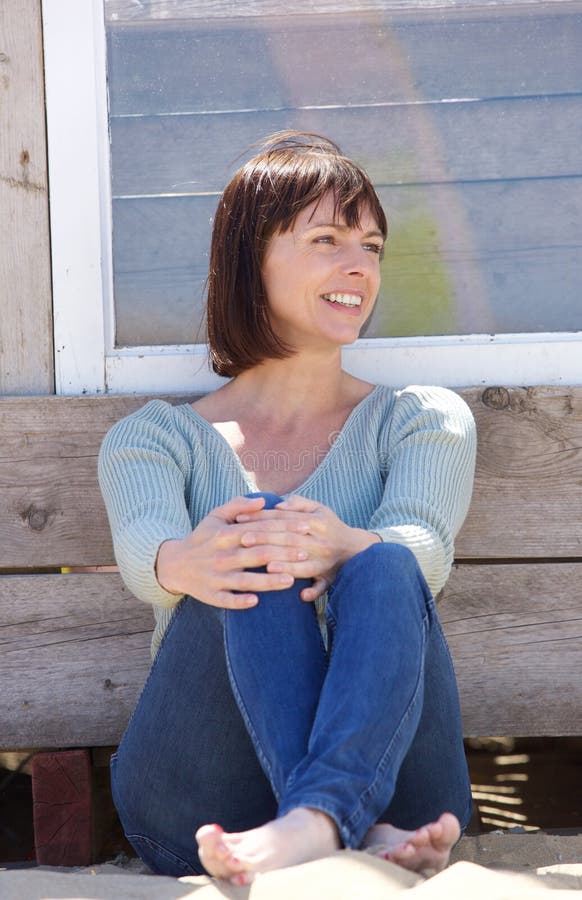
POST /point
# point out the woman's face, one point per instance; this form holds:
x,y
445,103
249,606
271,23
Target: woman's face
x,y
322,277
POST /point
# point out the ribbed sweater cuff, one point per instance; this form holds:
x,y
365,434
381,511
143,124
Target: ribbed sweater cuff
x,y
427,548
137,551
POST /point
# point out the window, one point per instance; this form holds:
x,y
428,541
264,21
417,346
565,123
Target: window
x,y
466,116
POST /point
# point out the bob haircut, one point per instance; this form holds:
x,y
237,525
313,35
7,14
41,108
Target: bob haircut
x,y
292,170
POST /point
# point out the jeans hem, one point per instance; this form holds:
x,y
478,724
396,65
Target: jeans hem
x,y
159,859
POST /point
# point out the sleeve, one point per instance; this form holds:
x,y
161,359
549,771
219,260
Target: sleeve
x,y
143,465
429,446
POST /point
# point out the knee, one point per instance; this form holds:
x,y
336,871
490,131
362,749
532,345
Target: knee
x,y
386,557
386,567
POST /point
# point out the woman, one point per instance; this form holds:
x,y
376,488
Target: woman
x,y
302,695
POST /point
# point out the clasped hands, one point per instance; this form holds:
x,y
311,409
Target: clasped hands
x,y
299,538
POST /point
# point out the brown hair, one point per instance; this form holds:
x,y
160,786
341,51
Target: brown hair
x,y
292,170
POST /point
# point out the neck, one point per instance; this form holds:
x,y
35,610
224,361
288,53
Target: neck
x,y
309,386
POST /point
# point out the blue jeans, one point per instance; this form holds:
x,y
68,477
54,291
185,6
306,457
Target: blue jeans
x,y
245,715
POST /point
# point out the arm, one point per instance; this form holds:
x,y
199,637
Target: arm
x,y
143,464
426,449
143,470
429,450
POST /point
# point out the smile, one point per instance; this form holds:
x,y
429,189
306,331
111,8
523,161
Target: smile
x,y
343,299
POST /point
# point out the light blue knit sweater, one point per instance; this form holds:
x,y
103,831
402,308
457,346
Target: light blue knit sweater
x,y
402,466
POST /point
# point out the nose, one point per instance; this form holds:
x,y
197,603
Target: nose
x,y
357,261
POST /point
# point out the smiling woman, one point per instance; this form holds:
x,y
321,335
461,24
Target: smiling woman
x,y
295,744
323,208
323,260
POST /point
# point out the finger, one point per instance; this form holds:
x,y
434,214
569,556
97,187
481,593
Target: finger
x,y
296,503
286,520
230,600
310,568
264,555
229,511
314,591
273,538
252,582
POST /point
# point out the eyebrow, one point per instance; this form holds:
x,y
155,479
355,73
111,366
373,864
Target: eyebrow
x,y
375,232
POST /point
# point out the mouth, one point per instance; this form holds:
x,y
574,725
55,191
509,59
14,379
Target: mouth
x,y
352,301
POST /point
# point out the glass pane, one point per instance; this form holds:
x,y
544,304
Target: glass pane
x,y
468,119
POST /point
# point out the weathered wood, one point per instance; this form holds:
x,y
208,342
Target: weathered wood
x,y
25,288
515,633
528,489
74,657
526,503
51,512
164,66
61,792
521,251
119,10
472,141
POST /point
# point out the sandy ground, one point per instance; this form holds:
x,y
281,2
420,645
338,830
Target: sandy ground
x,y
494,866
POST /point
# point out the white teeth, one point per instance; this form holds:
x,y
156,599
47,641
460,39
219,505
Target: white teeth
x,y
344,299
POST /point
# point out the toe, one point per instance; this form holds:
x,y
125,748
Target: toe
x,y
242,878
421,838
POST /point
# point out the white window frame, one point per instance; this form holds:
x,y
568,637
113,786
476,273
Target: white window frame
x,y
80,204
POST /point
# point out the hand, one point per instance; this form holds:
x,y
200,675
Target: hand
x,y
312,527
210,563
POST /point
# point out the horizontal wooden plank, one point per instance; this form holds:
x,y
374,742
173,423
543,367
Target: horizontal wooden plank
x,y
75,653
74,657
51,512
119,10
211,63
463,140
515,633
526,504
528,486
513,249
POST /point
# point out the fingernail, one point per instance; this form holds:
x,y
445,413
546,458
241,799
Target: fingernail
x,y
301,554
282,505
243,518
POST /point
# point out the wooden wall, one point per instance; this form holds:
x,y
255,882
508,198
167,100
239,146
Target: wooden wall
x,y
26,354
75,647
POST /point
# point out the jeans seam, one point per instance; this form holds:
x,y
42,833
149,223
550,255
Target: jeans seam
x,y
266,766
355,816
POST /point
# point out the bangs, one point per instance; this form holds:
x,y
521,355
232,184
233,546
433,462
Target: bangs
x,y
287,179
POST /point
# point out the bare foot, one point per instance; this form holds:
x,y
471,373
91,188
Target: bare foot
x,y
300,836
427,849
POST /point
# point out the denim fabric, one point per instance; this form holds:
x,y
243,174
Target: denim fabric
x,y
245,715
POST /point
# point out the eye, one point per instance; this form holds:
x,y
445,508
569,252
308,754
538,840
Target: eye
x,y
324,239
375,248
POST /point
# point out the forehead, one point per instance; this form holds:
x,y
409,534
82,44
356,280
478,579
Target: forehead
x,y
325,212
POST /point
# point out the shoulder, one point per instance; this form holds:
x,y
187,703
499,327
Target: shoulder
x,y
157,423
433,403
